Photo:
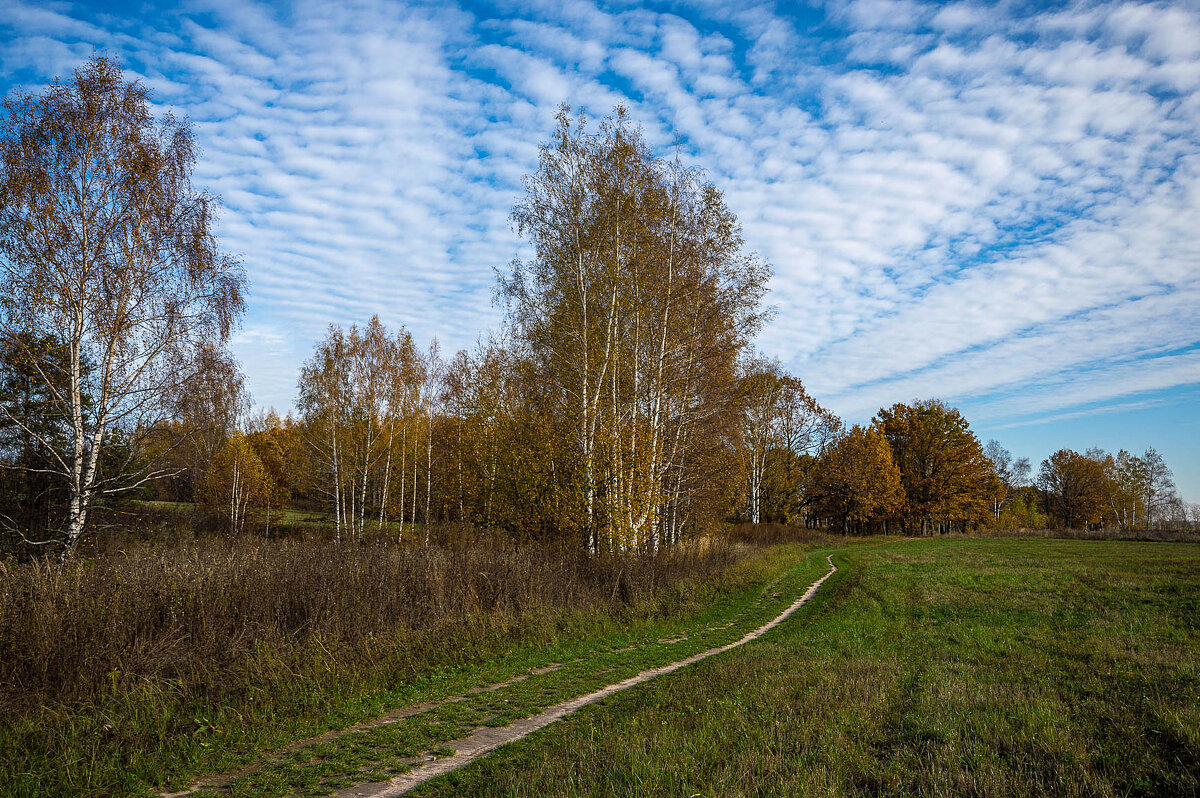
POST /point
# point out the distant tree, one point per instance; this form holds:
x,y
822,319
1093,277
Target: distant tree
x,y
324,403
274,444
1011,474
433,369
1126,498
856,483
1174,514
236,484
406,377
784,430
206,410
1157,485
1075,487
347,394
369,405
477,401
1141,489
762,384
1024,510
947,478
107,250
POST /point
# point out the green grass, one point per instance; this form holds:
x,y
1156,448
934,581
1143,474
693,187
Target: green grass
x,y
279,515
164,505
143,735
934,668
587,664
291,515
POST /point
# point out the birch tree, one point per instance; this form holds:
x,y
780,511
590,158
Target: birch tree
x,y
400,378
635,308
1011,474
324,403
372,359
431,393
206,410
762,384
1127,497
107,248
236,483
1157,485
784,431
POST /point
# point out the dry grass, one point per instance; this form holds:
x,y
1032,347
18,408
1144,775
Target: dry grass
x,y
152,662
772,534
191,613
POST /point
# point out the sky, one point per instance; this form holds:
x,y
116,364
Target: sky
x,y
996,204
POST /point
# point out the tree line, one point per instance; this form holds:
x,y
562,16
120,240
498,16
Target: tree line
x,y
621,407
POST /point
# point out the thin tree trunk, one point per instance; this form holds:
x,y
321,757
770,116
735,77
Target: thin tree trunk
x,y
461,514
416,472
403,476
428,465
337,480
366,467
387,472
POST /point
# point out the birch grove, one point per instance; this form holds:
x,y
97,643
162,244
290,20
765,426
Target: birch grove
x,y
636,306
364,397
608,409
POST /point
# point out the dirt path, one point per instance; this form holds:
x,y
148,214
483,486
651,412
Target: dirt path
x,y
487,739
222,780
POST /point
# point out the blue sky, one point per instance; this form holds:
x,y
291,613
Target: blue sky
x,y
996,204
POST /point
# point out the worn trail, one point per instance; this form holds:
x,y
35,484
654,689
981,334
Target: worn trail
x,y
487,739
223,780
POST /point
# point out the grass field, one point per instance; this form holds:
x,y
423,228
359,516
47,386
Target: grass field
x,y
923,667
286,515
579,667
939,667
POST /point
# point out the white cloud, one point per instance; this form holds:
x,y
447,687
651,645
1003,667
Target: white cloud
x,y
977,202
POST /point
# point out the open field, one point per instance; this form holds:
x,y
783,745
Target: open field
x,y
378,752
923,667
938,667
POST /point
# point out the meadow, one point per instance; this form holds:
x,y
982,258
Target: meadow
x,y
199,594
929,667
944,666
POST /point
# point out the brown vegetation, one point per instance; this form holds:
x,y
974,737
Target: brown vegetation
x,y
197,616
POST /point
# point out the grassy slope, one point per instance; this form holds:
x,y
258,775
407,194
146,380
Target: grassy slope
x,y
942,667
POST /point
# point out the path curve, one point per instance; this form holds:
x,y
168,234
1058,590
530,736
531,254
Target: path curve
x,y
488,739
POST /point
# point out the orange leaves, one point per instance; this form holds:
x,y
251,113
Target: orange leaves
x,y
856,482
946,477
